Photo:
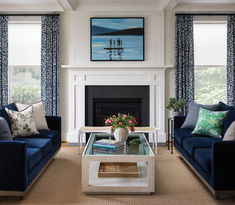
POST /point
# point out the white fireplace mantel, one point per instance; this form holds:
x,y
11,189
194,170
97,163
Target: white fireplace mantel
x,y
81,76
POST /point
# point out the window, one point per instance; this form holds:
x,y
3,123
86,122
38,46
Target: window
x,y
24,72
210,54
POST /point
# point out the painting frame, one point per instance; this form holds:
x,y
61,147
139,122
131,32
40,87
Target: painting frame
x,y
142,52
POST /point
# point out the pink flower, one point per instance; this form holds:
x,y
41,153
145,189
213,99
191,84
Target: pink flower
x,y
120,123
135,123
106,122
119,114
111,131
114,116
124,116
133,119
130,121
116,120
131,129
112,127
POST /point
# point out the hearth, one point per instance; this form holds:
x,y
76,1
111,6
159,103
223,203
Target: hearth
x,y
103,101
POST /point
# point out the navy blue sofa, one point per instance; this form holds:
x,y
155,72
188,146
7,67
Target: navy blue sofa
x,y
212,159
23,159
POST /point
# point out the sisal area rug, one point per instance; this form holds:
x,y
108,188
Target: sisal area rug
x,y
60,184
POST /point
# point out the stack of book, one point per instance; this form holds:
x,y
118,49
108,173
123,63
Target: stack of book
x,y
108,146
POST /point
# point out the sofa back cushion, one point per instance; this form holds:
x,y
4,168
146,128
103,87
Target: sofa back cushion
x,y
230,133
5,133
4,114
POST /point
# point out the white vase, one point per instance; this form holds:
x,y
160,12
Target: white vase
x,y
174,113
121,134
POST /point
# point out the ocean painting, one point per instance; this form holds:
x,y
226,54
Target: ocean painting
x,y
117,39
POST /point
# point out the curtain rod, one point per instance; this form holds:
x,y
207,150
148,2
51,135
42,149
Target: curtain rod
x,y
206,14
29,14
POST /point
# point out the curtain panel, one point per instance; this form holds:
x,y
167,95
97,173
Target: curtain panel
x,y
184,58
231,60
50,64
3,60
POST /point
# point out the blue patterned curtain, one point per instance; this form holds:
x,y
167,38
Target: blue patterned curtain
x,y
50,64
184,58
3,60
231,60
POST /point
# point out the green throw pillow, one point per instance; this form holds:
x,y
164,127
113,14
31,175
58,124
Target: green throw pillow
x,y
210,123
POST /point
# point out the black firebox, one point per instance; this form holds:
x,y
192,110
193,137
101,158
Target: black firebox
x,y
103,101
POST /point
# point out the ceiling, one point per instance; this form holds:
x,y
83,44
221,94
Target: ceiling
x,y
62,5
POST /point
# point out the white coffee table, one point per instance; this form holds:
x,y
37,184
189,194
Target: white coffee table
x,y
142,155
106,129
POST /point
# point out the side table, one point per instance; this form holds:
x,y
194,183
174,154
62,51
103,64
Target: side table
x,y
170,134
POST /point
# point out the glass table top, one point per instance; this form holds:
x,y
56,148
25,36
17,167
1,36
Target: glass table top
x,y
142,148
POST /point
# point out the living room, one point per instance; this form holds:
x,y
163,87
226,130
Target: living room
x,y
117,102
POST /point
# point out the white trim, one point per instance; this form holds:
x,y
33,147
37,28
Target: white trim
x,y
79,77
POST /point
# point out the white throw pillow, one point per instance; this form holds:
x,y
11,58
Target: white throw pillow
x,y
230,133
38,112
22,123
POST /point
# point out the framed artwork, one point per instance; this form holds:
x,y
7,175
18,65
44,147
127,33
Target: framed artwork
x,y
117,39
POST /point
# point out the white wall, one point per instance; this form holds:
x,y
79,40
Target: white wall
x,y
75,44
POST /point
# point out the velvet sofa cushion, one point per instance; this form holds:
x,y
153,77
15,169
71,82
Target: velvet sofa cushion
x,y
203,157
180,134
4,114
44,144
191,143
54,135
34,155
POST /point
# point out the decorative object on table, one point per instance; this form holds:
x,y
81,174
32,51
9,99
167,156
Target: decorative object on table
x,y
210,123
118,169
117,39
22,123
120,125
175,106
134,142
107,146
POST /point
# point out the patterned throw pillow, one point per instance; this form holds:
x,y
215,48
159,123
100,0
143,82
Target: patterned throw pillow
x,y
38,112
22,123
210,123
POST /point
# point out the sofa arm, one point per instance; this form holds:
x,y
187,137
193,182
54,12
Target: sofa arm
x,y
179,121
223,166
54,122
13,166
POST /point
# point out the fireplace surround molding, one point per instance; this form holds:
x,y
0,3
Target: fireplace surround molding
x,y
81,76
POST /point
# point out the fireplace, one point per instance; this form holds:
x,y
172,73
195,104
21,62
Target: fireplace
x,y
142,92
103,101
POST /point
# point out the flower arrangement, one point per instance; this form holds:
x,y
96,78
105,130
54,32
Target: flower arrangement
x,y
121,121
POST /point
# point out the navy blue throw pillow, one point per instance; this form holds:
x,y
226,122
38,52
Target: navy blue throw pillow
x,y
4,114
230,117
224,107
